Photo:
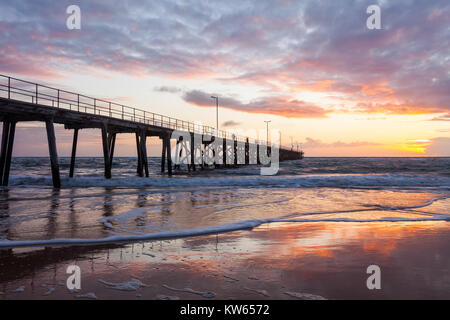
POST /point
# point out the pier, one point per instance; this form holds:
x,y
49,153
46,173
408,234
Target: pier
x,y
22,101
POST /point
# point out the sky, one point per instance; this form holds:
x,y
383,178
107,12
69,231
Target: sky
x,y
312,67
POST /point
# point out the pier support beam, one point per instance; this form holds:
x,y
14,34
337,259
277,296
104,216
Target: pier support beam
x,y
9,129
166,154
106,154
163,154
140,168
247,152
178,153
235,152
74,152
143,147
112,144
257,154
169,156
192,146
224,152
5,135
53,153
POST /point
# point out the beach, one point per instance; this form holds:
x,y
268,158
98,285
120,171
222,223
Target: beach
x,y
309,232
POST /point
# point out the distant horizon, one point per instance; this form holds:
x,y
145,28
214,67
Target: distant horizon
x,y
305,157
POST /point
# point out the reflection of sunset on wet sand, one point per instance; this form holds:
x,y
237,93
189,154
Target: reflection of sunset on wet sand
x,y
323,259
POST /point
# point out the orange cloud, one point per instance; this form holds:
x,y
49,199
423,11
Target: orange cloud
x,y
280,106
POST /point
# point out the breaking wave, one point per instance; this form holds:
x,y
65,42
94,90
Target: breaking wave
x,y
376,181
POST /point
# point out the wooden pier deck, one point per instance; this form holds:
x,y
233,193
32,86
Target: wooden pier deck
x,y
22,100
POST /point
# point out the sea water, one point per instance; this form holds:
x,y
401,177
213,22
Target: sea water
x,y
90,209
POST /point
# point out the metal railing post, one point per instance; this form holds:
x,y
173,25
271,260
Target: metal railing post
x,y
9,87
79,103
110,113
122,113
57,103
95,103
36,93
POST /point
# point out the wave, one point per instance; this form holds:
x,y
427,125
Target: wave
x,y
216,229
376,181
241,225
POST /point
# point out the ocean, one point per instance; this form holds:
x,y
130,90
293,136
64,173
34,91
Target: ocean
x,y
92,210
310,232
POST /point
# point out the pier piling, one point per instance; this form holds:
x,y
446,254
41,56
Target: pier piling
x,y
169,156
143,144
112,144
163,154
74,152
106,154
9,129
51,138
140,168
4,148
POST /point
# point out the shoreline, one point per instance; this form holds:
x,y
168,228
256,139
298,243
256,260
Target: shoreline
x,y
321,259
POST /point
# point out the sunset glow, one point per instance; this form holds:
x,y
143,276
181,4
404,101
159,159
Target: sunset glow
x,y
313,68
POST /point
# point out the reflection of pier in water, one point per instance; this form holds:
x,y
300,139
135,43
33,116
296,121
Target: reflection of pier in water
x,y
18,265
74,214
25,264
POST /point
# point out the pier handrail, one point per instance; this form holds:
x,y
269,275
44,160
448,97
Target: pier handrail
x,y
22,90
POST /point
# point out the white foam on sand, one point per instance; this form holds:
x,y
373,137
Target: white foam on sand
x,y
231,278
304,296
89,295
164,297
49,291
19,289
259,291
206,294
248,224
132,285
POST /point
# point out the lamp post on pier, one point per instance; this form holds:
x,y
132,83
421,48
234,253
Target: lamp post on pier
x,y
267,136
217,112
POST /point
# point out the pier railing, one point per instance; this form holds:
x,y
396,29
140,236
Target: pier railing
x,y
26,91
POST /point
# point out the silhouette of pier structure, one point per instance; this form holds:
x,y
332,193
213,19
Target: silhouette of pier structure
x,y
22,100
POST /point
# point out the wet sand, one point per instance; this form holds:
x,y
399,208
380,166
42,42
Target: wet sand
x,y
273,261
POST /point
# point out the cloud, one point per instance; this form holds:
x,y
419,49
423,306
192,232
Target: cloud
x,y
282,47
168,89
280,106
438,147
390,108
311,143
445,117
230,123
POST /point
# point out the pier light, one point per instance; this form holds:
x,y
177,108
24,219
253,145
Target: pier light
x,y
217,112
267,136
